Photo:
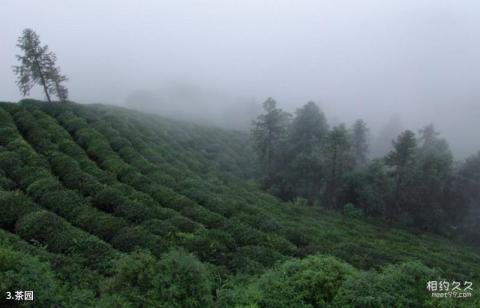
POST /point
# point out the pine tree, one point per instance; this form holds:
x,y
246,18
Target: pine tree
x,y
428,135
402,158
309,128
38,67
307,138
360,142
269,132
466,187
339,161
433,173
56,78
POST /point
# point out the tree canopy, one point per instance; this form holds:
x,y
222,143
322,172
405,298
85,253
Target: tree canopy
x,y
38,67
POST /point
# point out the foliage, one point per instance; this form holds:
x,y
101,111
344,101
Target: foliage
x,y
311,282
401,285
133,210
38,67
176,280
415,185
23,272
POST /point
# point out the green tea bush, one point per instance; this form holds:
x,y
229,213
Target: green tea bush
x,y
6,184
184,224
19,271
134,211
42,187
244,235
71,122
131,176
183,281
131,238
7,135
253,259
204,216
13,205
93,253
46,228
9,161
297,237
140,278
103,225
64,202
402,285
159,227
212,245
133,275
311,282
108,199
27,175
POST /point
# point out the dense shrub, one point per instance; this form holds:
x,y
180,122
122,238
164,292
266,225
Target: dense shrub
x,y
314,280
160,227
29,174
362,255
134,211
103,225
184,224
41,187
71,122
297,237
243,235
7,135
9,161
133,275
402,285
212,246
176,280
49,230
311,282
13,205
6,184
93,253
183,281
253,259
108,199
63,202
19,271
204,216
131,238
46,228
87,184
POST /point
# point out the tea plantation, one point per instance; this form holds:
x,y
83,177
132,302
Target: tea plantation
x,y
107,207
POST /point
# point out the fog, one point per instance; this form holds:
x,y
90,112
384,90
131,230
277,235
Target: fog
x,y
416,62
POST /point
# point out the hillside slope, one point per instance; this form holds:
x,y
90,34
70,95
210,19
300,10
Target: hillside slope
x,y
106,206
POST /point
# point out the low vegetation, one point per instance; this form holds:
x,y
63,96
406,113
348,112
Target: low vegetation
x,y
107,207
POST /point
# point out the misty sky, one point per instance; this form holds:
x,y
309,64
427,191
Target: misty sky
x,y
357,59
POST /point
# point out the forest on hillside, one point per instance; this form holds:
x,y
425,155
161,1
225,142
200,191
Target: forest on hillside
x,y
417,184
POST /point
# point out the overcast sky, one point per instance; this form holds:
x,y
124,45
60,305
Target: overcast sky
x,y
357,59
